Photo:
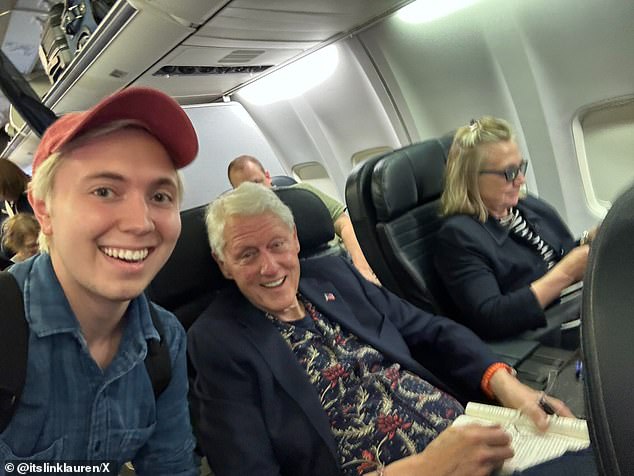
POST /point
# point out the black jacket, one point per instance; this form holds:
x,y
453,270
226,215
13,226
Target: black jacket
x,y
258,412
487,271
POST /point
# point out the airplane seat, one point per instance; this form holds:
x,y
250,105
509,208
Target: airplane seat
x,y
190,278
282,181
315,229
607,336
361,210
406,189
4,263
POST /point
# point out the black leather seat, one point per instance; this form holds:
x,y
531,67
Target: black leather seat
x,y
607,337
393,204
190,278
282,181
315,229
363,216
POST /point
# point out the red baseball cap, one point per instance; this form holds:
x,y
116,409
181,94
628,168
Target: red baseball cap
x,y
160,114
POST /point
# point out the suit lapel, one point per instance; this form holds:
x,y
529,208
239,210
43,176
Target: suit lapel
x,y
321,293
328,300
288,372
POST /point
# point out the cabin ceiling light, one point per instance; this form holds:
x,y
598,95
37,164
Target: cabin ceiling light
x,y
293,80
423,11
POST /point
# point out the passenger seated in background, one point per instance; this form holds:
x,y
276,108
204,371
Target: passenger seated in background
x,y
13,199
13,187
312,370
19,236
106,192
502,257
249,169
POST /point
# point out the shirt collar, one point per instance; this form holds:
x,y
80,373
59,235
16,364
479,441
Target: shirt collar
x,y
49,312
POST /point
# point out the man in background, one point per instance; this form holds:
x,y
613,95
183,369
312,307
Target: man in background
x,y
247,168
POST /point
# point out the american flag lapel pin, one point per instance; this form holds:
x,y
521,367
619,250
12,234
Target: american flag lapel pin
x,y
329,297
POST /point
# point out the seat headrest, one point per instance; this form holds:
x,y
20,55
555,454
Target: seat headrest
x,y
408,177
312,219
190,273
282,181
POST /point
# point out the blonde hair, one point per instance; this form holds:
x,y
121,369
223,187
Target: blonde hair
x,y
248,199
17,229
461,194
42,184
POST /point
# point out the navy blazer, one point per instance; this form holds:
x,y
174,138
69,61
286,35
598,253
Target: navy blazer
x,y
487,271
258,412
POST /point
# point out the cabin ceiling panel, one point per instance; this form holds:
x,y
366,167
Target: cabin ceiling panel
x,y
210,86
194,11
291,20
140,36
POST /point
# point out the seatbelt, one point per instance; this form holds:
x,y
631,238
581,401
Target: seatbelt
x,y
14,343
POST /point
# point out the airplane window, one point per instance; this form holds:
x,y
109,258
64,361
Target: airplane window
x,y
316,175
366,154
604,137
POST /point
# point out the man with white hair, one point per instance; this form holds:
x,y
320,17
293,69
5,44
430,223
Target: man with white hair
x,y
310,370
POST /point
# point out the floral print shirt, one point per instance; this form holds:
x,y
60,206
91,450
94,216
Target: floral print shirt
x,y
378,412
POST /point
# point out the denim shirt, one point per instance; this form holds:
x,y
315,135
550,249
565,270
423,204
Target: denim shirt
x,y
71,409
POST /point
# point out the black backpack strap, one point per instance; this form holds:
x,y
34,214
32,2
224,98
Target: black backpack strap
x,y
157,361
14,347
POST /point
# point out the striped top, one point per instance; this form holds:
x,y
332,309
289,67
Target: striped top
x,y
516,223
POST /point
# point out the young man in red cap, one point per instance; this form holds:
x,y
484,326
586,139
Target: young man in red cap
x,y
106,192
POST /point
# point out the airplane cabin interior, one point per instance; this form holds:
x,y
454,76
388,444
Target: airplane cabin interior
x,y
360,99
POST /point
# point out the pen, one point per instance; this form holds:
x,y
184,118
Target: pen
x,y
578,369
545,405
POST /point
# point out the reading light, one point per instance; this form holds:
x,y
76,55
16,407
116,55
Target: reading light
x,y
294,79
424,11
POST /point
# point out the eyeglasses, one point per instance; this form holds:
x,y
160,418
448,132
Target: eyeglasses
x,y
510,173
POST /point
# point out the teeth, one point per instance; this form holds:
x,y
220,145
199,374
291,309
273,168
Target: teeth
x,y
273,284
126,255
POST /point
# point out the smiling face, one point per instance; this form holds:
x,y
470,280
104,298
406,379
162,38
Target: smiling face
x,y
112,219
497,194
260,255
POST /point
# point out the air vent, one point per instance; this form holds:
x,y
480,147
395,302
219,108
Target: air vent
x,y
241,56
207,70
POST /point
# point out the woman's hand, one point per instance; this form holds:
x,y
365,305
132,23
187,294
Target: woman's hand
x,y
574,263
568,271
513,394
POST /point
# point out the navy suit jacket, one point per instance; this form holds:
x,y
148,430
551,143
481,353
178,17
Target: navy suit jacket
x,y
259,413
487,271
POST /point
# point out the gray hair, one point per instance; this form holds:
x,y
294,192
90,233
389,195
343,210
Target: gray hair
x,y
248,199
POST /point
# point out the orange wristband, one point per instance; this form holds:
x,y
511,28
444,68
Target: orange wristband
x,y
486,378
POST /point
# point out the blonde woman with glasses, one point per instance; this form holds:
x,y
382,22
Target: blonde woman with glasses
x,y
503,256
